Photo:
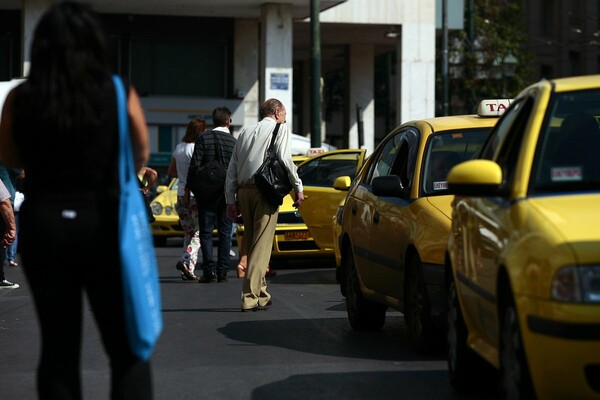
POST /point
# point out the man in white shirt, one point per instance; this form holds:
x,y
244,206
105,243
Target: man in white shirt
x,y
243,197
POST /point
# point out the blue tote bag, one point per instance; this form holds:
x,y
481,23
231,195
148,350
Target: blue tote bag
x,y
138,259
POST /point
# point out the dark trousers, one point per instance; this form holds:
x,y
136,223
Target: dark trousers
x,y
2,258
68,248
208,219
2,249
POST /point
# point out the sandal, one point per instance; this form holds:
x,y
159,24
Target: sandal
x,y
189,278
185,272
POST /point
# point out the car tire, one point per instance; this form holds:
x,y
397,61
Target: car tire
x,y
341,275
467,371
417,310
514,370
160,241
363,314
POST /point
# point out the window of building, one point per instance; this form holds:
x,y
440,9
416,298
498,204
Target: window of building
x,y
574,62
173,56
10,45
179,68
546,71
547,17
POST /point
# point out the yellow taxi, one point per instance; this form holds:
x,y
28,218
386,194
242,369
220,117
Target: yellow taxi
x,y
336,229
306,232
396,220
166,222
524,250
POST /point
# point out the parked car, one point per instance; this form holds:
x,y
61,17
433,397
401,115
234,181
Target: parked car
x,y
166,222
306,232
524,251
396,220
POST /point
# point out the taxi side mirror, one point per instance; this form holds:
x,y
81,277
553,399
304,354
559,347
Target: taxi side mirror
x,y
342,183
161,188
388,186
475,178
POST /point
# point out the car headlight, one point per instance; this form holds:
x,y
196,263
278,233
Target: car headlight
x,y
169,210
577,284
156,208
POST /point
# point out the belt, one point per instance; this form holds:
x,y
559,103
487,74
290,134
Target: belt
x,y
247,186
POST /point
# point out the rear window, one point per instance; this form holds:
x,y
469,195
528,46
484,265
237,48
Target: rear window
x,y
325,170
445,150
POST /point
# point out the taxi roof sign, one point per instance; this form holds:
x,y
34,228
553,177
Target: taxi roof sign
x,y
313,151
493,107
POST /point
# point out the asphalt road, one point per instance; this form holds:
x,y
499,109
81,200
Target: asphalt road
x,y
301,348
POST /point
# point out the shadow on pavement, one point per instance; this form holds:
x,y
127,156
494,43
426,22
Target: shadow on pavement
x,y
313,277
421,384
327,336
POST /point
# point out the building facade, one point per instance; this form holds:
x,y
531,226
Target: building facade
x,y
564,37
186,57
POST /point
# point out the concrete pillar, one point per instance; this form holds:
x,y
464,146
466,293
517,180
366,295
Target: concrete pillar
x,y
305,87
31,12
245,68
416,63
276,55
362,60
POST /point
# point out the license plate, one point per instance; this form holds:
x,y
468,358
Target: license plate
x,y
296,235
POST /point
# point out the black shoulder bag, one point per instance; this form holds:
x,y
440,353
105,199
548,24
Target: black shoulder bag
x,y
272,177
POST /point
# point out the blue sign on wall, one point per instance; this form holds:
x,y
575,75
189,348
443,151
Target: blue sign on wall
x,y
280,81
159,159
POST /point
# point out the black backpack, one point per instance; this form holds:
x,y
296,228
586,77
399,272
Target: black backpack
x,y
208,183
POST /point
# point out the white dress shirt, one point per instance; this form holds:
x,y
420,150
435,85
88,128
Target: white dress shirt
x,y
250,151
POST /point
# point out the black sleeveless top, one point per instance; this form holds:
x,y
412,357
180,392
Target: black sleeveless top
x,y
79,164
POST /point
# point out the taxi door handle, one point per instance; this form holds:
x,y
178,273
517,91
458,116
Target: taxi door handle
x,y
376,218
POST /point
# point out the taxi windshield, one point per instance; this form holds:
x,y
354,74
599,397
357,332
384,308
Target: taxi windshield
x,y
445,150
568,152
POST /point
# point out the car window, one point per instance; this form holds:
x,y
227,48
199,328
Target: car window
x,y
566,157
404,163
386,162
385,158
323,171
308,172
499,131
510,147
443,151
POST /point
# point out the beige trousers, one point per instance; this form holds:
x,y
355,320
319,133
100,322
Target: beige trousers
x,y
260,221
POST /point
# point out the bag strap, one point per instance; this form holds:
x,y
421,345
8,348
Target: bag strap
x,y
270,151
126,168
217,148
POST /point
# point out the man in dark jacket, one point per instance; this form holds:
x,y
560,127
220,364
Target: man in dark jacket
x,y
213,145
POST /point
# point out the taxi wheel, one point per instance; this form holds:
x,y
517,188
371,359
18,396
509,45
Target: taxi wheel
x,y
516,381
466,370
362,313
417,308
